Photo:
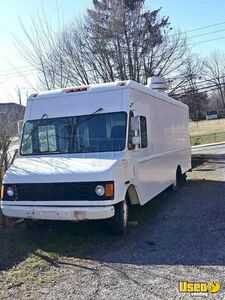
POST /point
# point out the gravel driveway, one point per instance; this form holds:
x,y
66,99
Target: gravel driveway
x,y
178,237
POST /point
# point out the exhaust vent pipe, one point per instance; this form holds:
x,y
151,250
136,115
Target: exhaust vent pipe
x,y
157,83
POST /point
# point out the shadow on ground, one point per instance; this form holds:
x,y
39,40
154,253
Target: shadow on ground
x,y
186,227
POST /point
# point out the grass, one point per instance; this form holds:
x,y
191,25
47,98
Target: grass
x,y
206,127
25,255
29,257
208,138
207,131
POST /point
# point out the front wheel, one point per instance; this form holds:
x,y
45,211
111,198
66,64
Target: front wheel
x,y
118,223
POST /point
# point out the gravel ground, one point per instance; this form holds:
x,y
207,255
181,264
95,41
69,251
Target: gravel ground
x,y
178,236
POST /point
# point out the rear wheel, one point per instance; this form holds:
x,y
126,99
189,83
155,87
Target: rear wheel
x,y
118,224
184,179
180,180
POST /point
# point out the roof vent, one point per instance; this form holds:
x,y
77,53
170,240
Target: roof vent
x,y
157,83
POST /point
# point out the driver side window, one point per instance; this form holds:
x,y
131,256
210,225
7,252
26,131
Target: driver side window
x,y
130,145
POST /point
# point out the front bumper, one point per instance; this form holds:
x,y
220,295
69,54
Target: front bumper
x,y
59,213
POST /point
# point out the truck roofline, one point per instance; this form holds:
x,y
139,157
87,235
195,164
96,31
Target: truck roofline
x,y
104,87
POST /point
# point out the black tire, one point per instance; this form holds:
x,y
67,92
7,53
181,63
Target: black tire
x,y
118,223
180,180
184,179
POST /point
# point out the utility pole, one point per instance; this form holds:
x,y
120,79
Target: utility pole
x,y
19,95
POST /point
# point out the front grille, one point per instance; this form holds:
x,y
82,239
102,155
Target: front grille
x,y
62,191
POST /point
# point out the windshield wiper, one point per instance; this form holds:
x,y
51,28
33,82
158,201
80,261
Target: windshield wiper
x,y
89,116
36,126
78,123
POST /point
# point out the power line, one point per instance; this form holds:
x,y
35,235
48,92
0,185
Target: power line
x,y
16,75
202,81
203,27
9,70
204,34
207,33
206,41
200,28
16,70
205,89
210,90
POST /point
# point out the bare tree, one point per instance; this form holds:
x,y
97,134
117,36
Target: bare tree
x,y
197,103
189,77
119,41
8,127
191,89
116,40
215,70
41,51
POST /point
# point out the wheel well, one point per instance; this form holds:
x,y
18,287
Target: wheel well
x,y
132,196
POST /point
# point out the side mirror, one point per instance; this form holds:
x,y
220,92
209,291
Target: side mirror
x,y
134,123
136,140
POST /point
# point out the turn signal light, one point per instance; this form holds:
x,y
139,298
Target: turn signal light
x,y
2,192
122,83
109,190
34,95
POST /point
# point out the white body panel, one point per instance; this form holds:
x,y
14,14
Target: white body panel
x,y
150,170
168,144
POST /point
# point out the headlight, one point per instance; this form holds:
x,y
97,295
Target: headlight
x,y
100,190
10,192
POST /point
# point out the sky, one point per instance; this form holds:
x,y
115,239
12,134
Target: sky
x,y
189,16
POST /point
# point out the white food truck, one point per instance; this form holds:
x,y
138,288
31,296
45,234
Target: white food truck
x,y
89,152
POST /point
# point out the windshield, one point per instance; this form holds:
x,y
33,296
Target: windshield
x,y
81,134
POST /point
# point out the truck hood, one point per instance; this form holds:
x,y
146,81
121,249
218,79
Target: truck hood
x,y
59,169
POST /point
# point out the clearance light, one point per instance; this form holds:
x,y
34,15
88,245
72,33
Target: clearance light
x,y
76,89
34,95
122,83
